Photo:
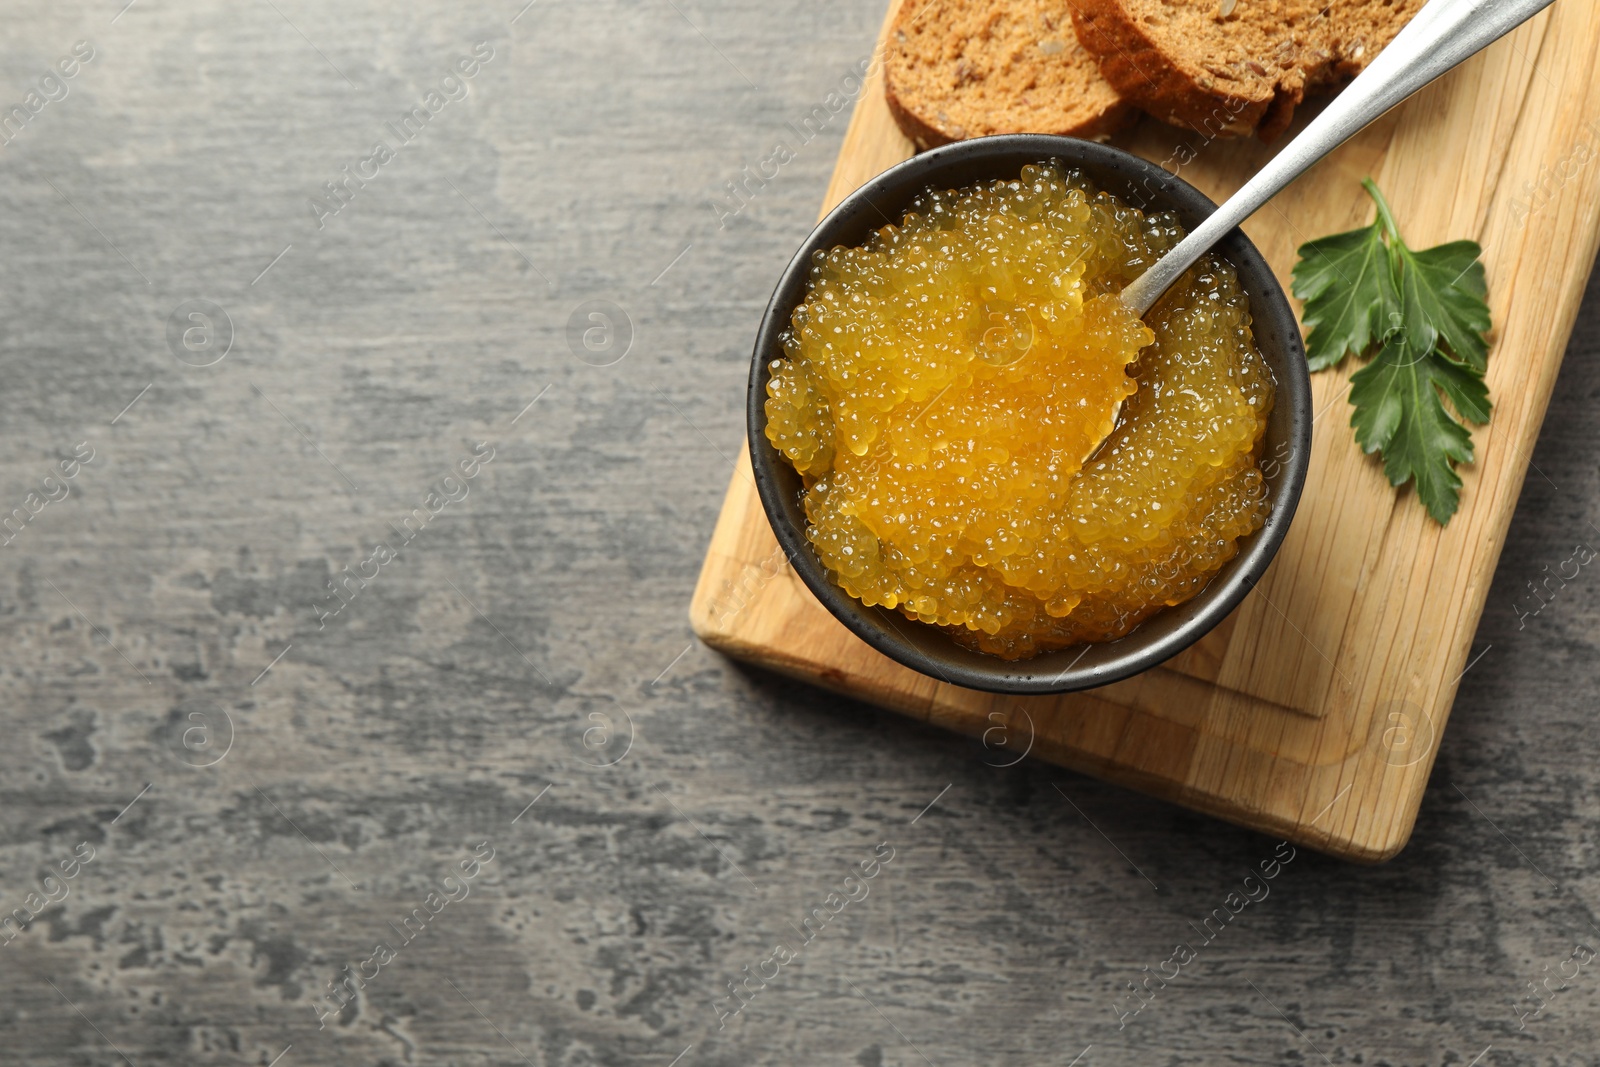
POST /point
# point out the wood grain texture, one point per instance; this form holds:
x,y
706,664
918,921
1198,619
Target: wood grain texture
x,y
1315,710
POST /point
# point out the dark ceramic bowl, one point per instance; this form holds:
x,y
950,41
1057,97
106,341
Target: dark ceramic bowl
x,y
1285,452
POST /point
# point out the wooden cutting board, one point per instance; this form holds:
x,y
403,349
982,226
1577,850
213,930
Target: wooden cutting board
x,y
1314,712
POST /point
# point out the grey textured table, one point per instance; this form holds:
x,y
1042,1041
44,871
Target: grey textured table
x,y
502,758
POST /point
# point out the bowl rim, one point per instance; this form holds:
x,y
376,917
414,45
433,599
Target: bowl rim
x,y
908,642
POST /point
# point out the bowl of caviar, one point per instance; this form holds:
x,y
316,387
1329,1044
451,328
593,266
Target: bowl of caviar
x,y
983,463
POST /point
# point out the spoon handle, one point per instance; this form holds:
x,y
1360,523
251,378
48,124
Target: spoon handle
x,y
1441,35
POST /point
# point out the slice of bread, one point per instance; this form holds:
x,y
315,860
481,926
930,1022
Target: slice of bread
x,y
967,68
1227,67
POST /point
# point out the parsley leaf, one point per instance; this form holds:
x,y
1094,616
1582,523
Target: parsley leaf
x,y
1442,291
1426,313
1345,281
1399,411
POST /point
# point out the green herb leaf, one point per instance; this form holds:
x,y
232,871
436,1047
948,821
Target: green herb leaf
x,y
1427,314
1347,285
1442,291
1399,411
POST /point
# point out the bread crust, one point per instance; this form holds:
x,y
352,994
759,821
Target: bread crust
x,y
1142,72
920,133
1224,67
925,136
935,49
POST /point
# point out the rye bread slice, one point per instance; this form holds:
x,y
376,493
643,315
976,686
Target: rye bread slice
x,y
1227,67
967,68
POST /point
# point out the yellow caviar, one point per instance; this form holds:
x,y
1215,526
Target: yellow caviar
x,y
945,390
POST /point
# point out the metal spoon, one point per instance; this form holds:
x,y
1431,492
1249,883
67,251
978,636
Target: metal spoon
x,y
1441,35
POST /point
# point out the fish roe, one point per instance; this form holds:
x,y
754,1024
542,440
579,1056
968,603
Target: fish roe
x,y
992,443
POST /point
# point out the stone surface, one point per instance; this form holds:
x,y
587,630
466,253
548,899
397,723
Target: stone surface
x,y
268,790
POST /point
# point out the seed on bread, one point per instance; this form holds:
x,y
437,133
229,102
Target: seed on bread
x,y
969,68
1162,55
